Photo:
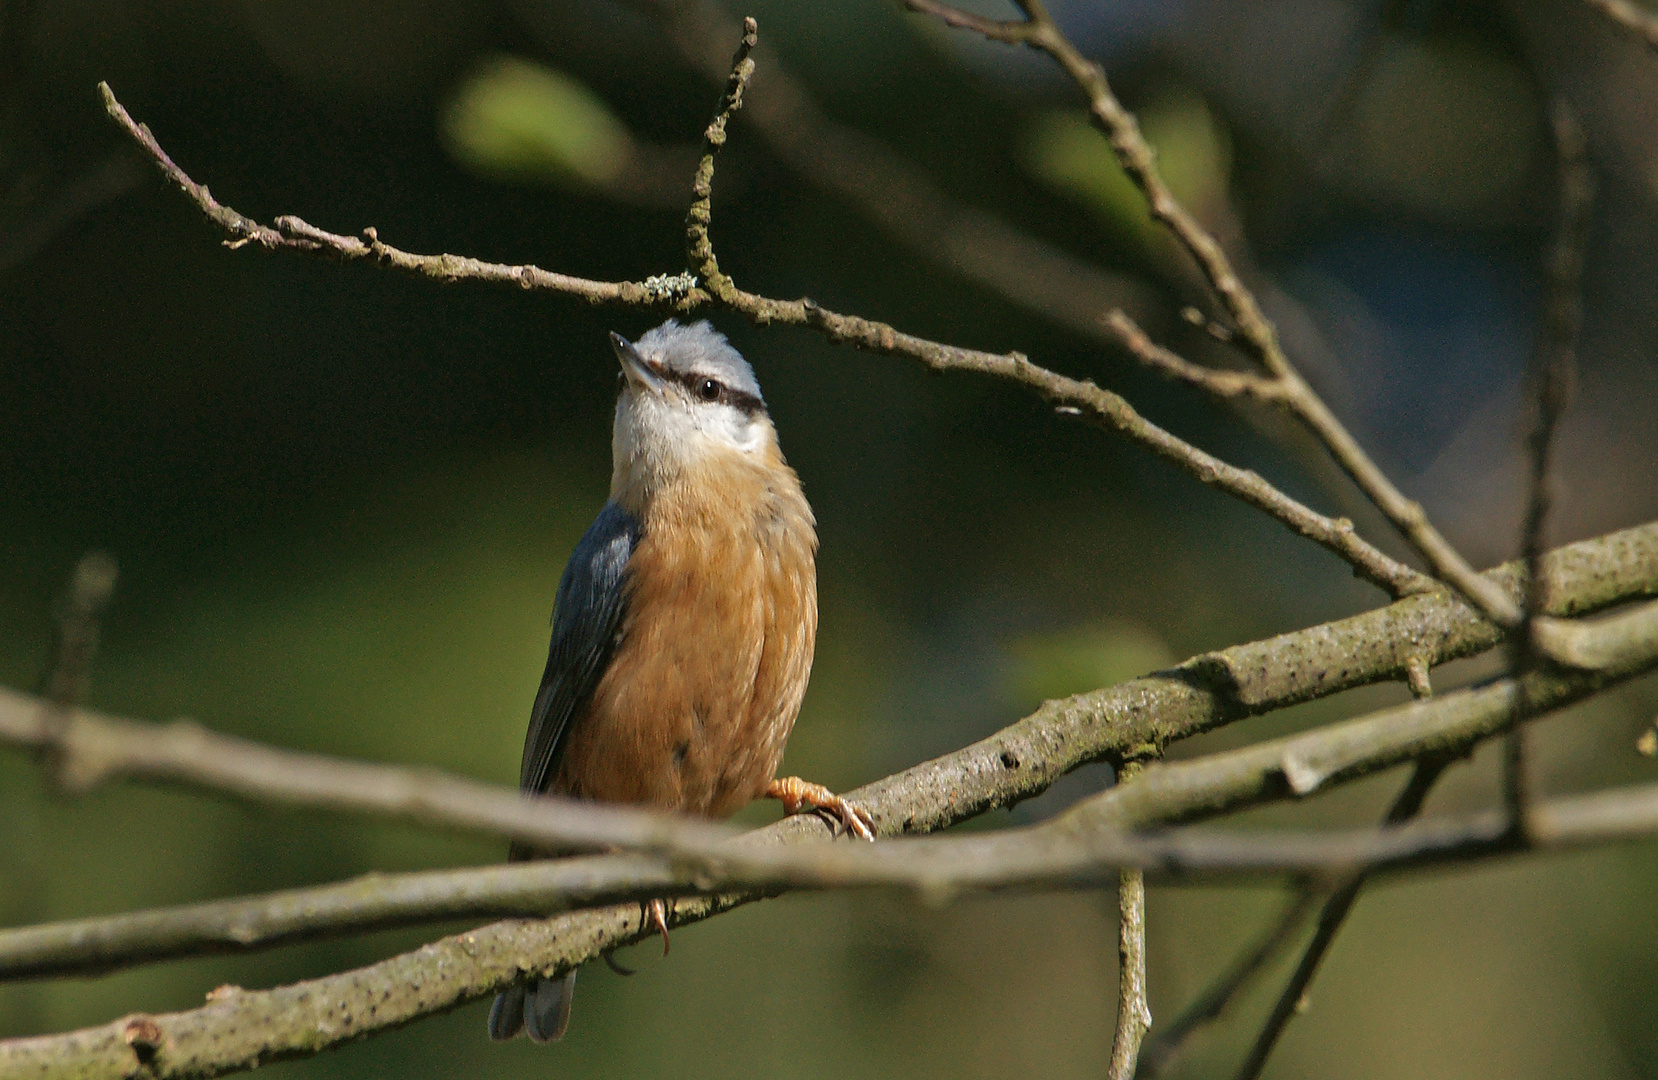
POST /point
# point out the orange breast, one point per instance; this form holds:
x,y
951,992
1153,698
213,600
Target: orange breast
x,y
716,646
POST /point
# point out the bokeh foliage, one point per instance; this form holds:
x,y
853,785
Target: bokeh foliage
x,y
341,499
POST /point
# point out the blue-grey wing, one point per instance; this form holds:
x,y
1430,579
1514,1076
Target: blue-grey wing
x,y
587,624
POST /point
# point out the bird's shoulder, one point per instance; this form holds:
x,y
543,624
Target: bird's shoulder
x,y
593,576
587,621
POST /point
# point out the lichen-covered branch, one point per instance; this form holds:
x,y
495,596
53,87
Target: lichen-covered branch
x,y
1300,765
238,1030
1017,763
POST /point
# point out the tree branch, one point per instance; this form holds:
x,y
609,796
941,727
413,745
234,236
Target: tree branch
x,y
239,1029
1330,920
891,191
1133,1008
1212,1002
935,867
292,234
1017,763
681,293
1299,765
1254,331
1552,375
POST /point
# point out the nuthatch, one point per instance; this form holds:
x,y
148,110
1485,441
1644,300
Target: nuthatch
x,y
685,620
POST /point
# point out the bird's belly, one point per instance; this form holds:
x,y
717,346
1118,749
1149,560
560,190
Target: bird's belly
x,y
696,706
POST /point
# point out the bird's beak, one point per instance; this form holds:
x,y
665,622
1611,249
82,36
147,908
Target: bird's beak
x,y
637,369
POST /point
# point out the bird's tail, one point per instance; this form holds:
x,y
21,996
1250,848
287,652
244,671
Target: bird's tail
x,y
539,1008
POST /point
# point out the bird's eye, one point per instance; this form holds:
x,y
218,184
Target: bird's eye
x,y
708,390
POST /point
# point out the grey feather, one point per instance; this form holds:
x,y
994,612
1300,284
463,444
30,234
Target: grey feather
x,y
539,1008
698,349
506,1016
547,1008
587,618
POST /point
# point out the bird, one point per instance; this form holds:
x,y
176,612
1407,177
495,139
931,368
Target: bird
x,y
685,620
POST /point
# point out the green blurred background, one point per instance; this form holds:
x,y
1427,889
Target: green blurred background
x,y
341,498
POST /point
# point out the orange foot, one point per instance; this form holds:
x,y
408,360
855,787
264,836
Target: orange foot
x,y
793,793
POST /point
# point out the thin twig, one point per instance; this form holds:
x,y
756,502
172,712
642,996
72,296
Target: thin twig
x,y
1553,372
699,249
1225,384
681,293
292,234
892,191
1253,330
1082,848
1330,920
1212,1002
1165,1048
238,1030
1082,397
1017,763
1133,1007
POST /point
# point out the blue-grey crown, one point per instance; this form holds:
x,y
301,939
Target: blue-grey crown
x,y
698,349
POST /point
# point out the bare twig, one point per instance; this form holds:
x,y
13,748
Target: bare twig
x,y
1017,763
242,1029
1254,332
1165,1048
891,191
699,249
1081,848
1552,374
682,293
1133,1007
1630,18
292,234
1330,920
1209,1005
1226,384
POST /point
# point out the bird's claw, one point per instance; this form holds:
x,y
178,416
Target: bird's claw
x,y
794,793
659,919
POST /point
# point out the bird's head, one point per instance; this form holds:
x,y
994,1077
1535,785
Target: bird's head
x,y
686,396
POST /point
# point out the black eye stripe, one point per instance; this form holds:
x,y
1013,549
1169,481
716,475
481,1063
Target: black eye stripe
x,y
748,403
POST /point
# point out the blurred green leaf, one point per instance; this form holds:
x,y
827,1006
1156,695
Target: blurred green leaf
x,y
516,120
1065,151
1081,659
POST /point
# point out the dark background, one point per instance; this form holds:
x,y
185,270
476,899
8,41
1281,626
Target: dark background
x,y
341,498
